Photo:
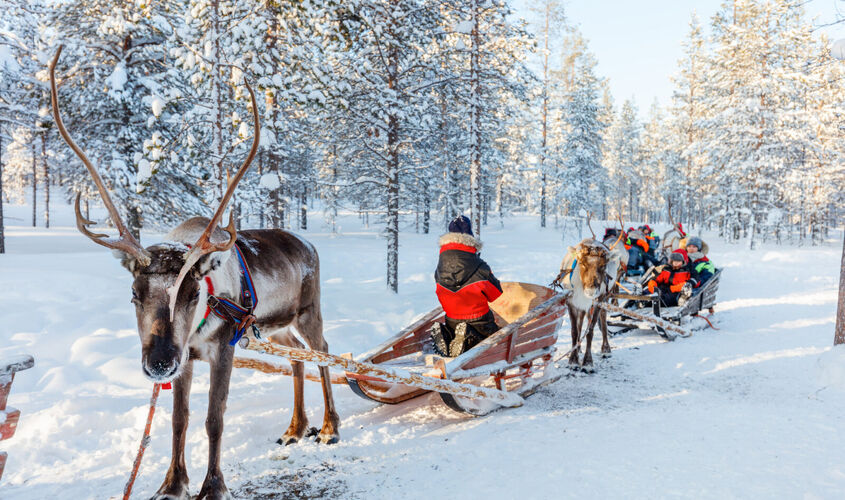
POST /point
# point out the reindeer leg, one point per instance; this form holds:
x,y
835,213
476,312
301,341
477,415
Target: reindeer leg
x,y
299,421
587,365
175,485
605,345
213,487
331,421
310,324
576,319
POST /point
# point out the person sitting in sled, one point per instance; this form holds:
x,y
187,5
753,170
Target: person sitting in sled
x,y
465,286
700,266
638,257
674,284
653,240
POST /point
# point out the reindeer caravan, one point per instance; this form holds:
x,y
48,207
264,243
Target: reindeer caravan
x,y
206,289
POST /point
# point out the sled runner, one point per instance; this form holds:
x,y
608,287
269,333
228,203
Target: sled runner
x,y
630,313
512,361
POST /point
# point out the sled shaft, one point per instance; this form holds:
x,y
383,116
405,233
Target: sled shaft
x,y
392,375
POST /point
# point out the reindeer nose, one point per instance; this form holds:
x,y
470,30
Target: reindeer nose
x,y
160,369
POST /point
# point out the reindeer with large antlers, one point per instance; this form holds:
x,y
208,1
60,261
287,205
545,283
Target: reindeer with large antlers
x,y
201,264
591,270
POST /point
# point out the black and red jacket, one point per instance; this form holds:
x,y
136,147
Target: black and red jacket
x,y
465,283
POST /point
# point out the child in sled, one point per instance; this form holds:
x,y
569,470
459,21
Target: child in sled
x,y
700,266
674,284
465,286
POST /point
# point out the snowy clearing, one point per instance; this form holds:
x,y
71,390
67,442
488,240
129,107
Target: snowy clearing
x,y
749,411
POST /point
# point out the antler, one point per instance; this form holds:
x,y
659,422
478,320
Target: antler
x,y
671,219
621,231
203,246
590,214
125,242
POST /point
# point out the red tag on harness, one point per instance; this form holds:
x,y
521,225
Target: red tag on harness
x,y
166,386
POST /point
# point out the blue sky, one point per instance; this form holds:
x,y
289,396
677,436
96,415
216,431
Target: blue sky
x,y
638,43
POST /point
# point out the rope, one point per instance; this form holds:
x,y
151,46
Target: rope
x,y
705,318
145,441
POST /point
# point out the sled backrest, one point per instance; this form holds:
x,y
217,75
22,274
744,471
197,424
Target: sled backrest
x,y
517,299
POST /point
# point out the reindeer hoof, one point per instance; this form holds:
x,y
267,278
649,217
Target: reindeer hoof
x,y
328,438
606,355
588,368
286,440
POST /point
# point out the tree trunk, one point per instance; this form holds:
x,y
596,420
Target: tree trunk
x,y
261,204
393,206
544,117
303,208
475,117
34,183
839,335
2,221
426,205
46,179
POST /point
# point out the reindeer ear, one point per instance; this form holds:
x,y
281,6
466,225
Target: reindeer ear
x,y
209,262
128,261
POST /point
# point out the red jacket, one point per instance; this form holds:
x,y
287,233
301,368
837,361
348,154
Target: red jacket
x,y
465,283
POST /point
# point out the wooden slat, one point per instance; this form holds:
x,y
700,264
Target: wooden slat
x,y
5,388
478,351
647,318
499,352
398,353
16,364
266,367
387,344
8,427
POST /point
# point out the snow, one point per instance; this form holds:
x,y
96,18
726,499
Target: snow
x,y
749,411
117,79
464,27
157,105
270,181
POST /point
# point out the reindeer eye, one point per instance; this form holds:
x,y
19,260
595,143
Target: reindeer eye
x,y
195,296
135,299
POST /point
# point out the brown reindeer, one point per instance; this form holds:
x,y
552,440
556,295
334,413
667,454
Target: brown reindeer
x,y
171,288
586,270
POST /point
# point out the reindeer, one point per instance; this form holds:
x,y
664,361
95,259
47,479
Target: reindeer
x,y
672,238
173,283
591,270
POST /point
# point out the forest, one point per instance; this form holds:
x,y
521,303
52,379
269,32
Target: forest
x,y
410,112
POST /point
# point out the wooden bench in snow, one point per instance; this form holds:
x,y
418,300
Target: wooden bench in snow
x,y
9,416
510,364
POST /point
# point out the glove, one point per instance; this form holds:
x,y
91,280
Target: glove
x,y
651,285
677,288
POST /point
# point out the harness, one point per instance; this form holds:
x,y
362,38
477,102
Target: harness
x,y
240,315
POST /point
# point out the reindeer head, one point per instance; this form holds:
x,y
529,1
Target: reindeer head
x,y
592,259
165,302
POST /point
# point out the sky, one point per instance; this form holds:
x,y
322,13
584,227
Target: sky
x,y
638,43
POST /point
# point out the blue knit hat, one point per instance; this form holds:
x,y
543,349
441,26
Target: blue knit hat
x,y
461,224
695,241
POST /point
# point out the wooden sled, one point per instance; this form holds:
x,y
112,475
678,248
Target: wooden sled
x,y
9,416
667,321
512,360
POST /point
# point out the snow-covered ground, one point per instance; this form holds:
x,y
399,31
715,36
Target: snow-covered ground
x,y
753,410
